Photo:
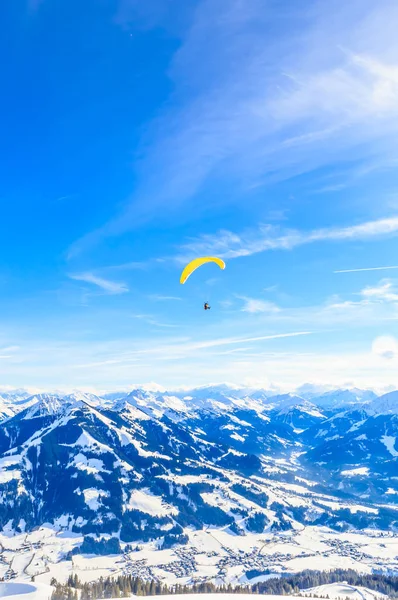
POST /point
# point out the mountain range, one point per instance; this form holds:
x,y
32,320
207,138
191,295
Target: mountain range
x,y
146,467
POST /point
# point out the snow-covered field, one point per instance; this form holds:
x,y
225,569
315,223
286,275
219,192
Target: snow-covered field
x,y
19,590
211,554
34,591
343,590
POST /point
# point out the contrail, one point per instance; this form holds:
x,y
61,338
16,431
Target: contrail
x,y
366,269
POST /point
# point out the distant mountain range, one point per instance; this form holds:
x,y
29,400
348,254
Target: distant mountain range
x,y
148,466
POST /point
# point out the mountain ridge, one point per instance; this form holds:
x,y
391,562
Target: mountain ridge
x,y
165,472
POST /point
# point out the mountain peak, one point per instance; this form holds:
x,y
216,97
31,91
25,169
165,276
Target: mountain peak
x,y
386,404
43,404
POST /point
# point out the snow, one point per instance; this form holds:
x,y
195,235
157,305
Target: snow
x,y
217,597
87,441
146,453
386,404
236,436
359,508
44,404
25,591
10,459
93,496
203,556
343,590
219,499
148,503
356,426
6,476
351,507
389,441
289,552
240,421
356,472
90,465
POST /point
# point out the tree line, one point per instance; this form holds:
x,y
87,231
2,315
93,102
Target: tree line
x,y
125,585
385,584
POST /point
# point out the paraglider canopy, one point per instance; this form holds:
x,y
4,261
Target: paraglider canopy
x,y
198,262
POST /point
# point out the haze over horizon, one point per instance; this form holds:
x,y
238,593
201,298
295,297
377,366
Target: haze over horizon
x,y
137,137
305,390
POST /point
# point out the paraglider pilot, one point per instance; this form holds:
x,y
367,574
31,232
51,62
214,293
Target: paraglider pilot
x,y
206,306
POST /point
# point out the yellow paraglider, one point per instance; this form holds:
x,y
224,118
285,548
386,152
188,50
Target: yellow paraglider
x,y
198,262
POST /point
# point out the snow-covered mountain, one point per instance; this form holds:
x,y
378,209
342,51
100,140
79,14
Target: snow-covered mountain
x,y
147,437
5,411
337,399
158,468
13,401
386,404
214,397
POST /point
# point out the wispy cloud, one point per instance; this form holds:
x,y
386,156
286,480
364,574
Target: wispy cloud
x,y
160,298
111,287
306,89
116,365
376,304
157,323
61,199
229,341
227,244
367,269
10,349
151,320
253,305
268,344
385,291
129,266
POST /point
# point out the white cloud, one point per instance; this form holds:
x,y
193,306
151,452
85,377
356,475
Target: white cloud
x,y
269,349
385,347
375,305
382,292
111,287
10,349
267,237
253,305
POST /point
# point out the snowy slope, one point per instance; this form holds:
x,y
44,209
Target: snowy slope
x,y
39,592
343,590
5,410
25,591
386,404
337,399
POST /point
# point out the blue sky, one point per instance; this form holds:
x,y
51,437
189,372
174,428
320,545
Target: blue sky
x,y
136,136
